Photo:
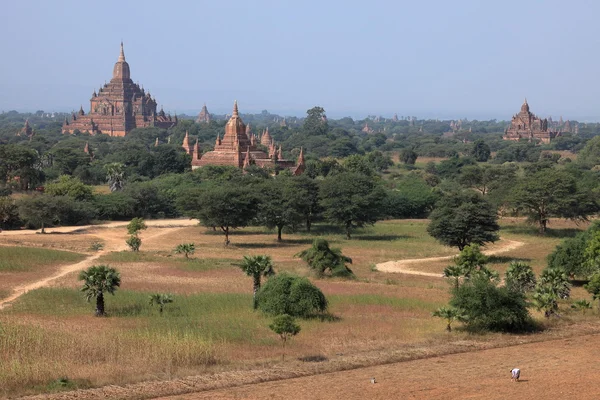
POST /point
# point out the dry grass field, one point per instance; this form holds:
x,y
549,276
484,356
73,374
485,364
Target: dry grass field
x,y
51,334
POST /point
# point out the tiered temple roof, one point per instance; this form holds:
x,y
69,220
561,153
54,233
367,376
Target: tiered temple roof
x,y
526,125
204,116
119,106
238,147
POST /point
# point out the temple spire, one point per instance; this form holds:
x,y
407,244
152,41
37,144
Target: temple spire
x,y
235,109
156,143
122,54
300,157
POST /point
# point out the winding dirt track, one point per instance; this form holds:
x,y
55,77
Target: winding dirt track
x,y
401,266
103,233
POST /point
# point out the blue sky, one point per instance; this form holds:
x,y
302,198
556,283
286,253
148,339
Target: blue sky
x,y
446,59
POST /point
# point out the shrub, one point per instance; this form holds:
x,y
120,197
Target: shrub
x,y
134,243
487,307
292,295
320,258
520,277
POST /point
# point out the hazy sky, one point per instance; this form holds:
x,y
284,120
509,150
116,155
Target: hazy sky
x,y
474,59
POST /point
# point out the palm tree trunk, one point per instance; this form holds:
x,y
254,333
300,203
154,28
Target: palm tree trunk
x,y
256,288
43,231
279,228
348,226
100,305
308,224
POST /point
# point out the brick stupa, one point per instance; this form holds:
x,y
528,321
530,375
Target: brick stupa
x,y
239,148
118,107
526,125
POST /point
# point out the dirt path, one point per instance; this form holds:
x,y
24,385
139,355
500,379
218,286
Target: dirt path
x,y
401,266
112,243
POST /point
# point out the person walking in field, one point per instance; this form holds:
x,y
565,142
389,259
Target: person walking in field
x,y
515,374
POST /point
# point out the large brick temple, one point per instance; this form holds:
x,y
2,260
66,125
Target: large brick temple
x,y
239,147
118,107
526,125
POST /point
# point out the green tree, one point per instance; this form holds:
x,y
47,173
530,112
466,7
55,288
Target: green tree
x,y
226,207
486,306
460,219
306,192
593,286
293,295
257,267
454,272
550,193
573,256
450,315
115,176
186,249
321,258
161,300
70,186
352,200
285,326
480,151
556,279
97,280
408,156
9,213
520,277
280,204
134,242
135,226
545,299
39,211
315,123
589,156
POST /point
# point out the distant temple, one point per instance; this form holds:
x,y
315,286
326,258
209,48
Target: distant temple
x,y
26,130
526,125
239,148
204,116
118,107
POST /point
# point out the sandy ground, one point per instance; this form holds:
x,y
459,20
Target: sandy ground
x,y
402,266
558,369
114,241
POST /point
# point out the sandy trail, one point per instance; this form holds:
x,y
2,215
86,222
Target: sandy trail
x,y
402,266
112,243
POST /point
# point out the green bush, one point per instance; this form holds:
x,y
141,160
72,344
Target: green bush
x,y
292,295
487,307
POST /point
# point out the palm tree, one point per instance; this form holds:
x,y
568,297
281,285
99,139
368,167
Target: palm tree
x,y
455,272
520,277
546,299
556,278
115,175
257,267
160,299
450,315
98,279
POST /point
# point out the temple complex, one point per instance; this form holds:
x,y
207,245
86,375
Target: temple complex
x,y
204,116
118,107
239,147
526,125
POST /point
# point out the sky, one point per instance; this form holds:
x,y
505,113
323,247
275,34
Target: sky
x,y
427,58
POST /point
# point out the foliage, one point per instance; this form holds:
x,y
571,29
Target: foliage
x,y
281,204
480,151
545,299
160,299
593,286
408,156
551,193
589,156
134,242
285,326
40,211
520,277
136,225
581,305
320,258
257,267
70,186
352,200
450,315
186,249
97,280
315,123
573,256
226,207
115,176
9,213
460,219
412,198
556,279
293,295
486,306
591,255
